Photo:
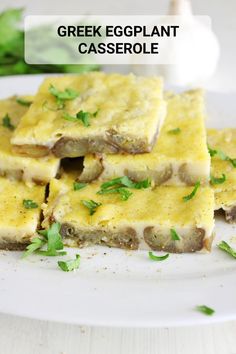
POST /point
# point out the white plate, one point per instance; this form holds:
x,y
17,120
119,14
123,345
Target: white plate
x,y
119,288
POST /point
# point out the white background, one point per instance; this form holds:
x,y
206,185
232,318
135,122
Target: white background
x,y
23,336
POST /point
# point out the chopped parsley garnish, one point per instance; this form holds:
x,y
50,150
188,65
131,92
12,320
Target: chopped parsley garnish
x,y
62,96
29,204
224,246
146,183
50,237
120,181
174,235
95,113
80,116
91,205
53,240
119,185
211,151
123,192
205,310
192,194
79,185
23,102
72,264
157,258
34,246
222,156
6,122
174,131
218,180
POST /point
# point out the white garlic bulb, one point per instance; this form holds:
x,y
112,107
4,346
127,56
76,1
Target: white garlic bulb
x,y
195,50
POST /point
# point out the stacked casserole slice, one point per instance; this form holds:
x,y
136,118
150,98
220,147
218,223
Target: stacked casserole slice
x,y
22,181
222,145
146,168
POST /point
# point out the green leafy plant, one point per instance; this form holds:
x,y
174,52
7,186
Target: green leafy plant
x,y
12,49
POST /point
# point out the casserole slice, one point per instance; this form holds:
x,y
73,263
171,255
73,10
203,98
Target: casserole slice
x,y
143,221
222,144
179,157
20,208
92,113
12,165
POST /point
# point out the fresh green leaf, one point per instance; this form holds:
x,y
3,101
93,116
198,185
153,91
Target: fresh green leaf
x,y
174,131
211,151
80,116
174,235
157,258
119,185
29,204
205,310
12,48
62,96
95,113
9,26
120,181
84,117
218,180
23,102
91,205
67,94
123,192
79,185
127,182
34,246
146,183
72,264
222,156
6,122
192,194
224,246
54,241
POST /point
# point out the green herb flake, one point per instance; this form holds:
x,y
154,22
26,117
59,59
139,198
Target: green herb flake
x,y
211,151
222,156
119,185
62,96
224,246
146,183
80,116
120,181
54,241
218,180
34,246
157,258
79,185
124,193
29,204
72,264
95,114
91,205
23,102
174,235
205,310
6,122
192,194
174,131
